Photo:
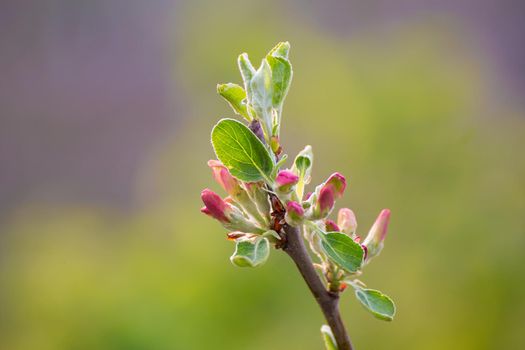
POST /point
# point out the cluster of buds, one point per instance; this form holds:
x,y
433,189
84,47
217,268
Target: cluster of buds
x,y
266,204
246,209
322,201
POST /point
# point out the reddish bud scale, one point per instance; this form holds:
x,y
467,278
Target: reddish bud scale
x,y
232,236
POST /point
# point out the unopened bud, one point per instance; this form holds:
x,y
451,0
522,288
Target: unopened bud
x,y
223,177
331,226
325,202
338,183
285,181
374,240
227,213
294,213
322,201
347,221
215,206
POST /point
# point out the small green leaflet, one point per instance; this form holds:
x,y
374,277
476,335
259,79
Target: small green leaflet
x,y
342,250
251,254
260,93
247,71
281,79
241,151
328,337
280,50
235,96
379,304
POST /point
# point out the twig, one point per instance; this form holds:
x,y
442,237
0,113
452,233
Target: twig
x,y
328,301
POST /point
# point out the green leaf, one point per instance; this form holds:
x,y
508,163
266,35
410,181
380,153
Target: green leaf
x,y
281,78
251,254
342,250
280,50
241,151
303,166
235,95
328,336
379,304
304,161
261,96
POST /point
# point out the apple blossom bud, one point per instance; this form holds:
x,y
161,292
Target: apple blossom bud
x,y
214,206
223,177
347,221
325,201
228,213
374,240
294,213
322,201
285,181
331,226
338,182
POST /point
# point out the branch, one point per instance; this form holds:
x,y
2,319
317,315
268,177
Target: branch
x,y
328,301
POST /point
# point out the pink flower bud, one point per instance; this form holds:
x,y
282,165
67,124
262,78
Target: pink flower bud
x,y
285,180
347,221
331,226
214,206
294,213
325,201
338,182
224,178
376,235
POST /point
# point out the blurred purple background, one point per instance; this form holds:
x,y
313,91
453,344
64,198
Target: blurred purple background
x,y
81,105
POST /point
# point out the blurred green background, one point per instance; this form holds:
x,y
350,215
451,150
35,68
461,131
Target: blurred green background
x,y
106,109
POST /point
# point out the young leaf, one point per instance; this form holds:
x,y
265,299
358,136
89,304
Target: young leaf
x,y
329,340
261,88
342,250
241,151
235,95
281,78
251,254
303,165
247,71
379,304
280,50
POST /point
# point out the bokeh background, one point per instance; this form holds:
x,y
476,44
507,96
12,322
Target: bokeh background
x,y
105,113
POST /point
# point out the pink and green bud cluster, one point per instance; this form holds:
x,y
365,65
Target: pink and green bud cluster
x,y
238,191
225,211
322,201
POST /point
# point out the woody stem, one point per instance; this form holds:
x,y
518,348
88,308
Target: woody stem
x,y
328,301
